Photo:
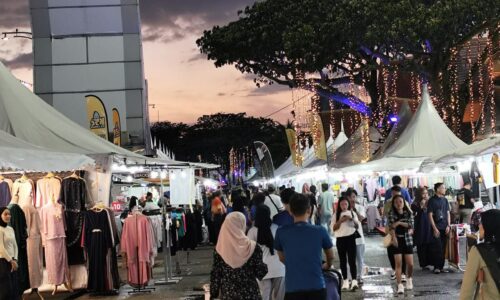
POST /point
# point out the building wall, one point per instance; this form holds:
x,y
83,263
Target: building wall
x,y
92,47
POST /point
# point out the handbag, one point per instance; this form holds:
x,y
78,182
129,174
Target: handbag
x,y
387,241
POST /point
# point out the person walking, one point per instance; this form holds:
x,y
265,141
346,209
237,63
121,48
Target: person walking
x,y
218,210
401,222
422,233
325,207
314,205
360,212
345,229
284,217
438,210
300,246
272,286
273,201
396,181
238,262
395,191
482,272
8,257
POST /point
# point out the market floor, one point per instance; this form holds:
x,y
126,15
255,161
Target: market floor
x,y
377,285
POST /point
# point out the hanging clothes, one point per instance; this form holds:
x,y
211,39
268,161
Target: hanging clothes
x,y
25,190
98,240
73,197
190,238
34,245
112,255
47,189
18,223
54,237
5,193
136,245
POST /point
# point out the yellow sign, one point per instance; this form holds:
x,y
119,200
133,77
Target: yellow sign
x,y
117,128
294,147
96,117
318,136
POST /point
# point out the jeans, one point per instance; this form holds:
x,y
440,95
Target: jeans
x,y
346,247
272,288
307,295
360,259
326,221
438,249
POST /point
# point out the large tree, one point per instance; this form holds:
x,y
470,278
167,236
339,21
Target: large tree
x,y
318,43
213,136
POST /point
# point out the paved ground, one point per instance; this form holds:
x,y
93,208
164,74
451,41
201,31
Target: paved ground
x,y
377,286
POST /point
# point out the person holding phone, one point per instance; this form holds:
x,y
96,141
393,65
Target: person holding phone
x,y
8,257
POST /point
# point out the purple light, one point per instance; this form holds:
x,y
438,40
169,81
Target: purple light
x,y
394,119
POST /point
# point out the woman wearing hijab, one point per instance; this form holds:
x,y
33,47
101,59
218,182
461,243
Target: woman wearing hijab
x,y
263,232
237,263
8,257
482,273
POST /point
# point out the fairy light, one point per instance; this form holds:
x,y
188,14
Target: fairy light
x,y
482,69
315,130
471,91
491,83
455,103
365,137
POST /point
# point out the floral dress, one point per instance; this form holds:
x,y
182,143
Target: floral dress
x,y
240,283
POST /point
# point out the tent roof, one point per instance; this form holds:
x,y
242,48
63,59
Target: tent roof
x,y
351,151
26,116
425,136
16,154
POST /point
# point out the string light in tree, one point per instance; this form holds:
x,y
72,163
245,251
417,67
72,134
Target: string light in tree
x,y
481,73
471,90
491,82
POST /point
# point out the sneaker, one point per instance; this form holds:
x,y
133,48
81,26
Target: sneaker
x,y
354,285
403,278
360,280
345,285
401,289
409,284
393,276
437,271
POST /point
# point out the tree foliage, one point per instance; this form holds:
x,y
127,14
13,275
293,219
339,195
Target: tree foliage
x,y
212,137
289,41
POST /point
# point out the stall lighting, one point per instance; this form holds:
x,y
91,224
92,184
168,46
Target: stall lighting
x,y
183,174
129,178
163,175
172,176
154,174
256,183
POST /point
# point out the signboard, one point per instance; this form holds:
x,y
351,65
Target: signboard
x,y
117,128
96,116
141,175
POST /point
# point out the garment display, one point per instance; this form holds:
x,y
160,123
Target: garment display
x,y
47,189
495,160
5,193
98,240
73,197
54,237
18,223
24,188
136,245
34,245
111,255
190,238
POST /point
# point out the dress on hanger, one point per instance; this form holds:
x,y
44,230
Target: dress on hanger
x,y
5,194
18,223
34,245
47,189
136,245
54,236
25,190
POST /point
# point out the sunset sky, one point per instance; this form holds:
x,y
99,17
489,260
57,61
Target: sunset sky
x,y
182,83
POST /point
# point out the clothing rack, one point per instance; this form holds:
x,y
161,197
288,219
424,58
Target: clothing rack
x,y
167,258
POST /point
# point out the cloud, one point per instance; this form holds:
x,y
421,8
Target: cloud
x,y
197,57
15,13
221,94
268,90
22,61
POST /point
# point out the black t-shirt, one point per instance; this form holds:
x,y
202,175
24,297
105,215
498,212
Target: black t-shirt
x,y
401,230
467,194
439,208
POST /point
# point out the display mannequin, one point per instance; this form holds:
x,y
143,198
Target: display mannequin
x,y
34,248
18,223
54,236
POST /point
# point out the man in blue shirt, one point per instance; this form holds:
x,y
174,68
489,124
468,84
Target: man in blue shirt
x,y
396,180
300,246
438,209
284,217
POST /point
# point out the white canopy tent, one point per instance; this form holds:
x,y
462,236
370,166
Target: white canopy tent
x,y
18,155
425,136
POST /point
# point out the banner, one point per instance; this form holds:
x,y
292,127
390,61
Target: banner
x,y
294,147
318,136
117,128
265,159
96,116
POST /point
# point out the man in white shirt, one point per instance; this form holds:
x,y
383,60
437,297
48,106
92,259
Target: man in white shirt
x,y
351,195
325,207
273,201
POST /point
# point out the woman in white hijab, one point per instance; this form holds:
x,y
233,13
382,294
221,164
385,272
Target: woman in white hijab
x,y
237,263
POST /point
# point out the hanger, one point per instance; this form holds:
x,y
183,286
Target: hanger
x,y
50,175
24,177
73,175
99,206
1,177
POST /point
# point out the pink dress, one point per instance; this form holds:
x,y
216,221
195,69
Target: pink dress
x,y
47,189
34,245
136,243
54,237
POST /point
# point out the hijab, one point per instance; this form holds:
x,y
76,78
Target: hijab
x,y
233,245
490,220
263,223
2,223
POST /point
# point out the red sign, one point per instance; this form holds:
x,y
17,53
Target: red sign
x,y
116,206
